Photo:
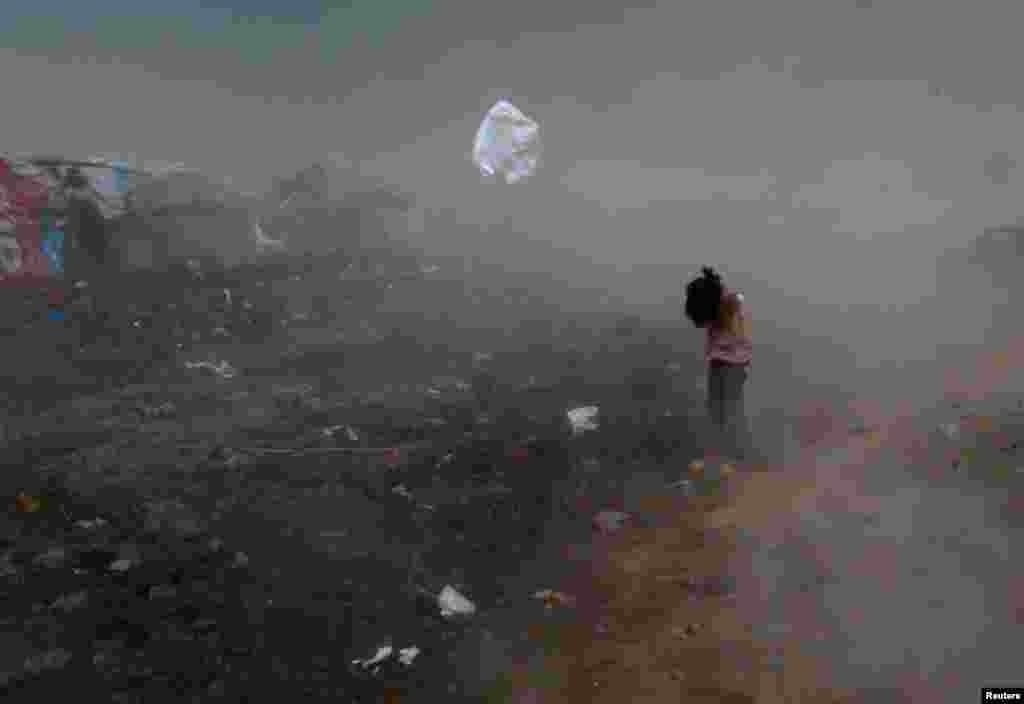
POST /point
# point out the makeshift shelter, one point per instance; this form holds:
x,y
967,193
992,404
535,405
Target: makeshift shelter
x,y
156,217
159,216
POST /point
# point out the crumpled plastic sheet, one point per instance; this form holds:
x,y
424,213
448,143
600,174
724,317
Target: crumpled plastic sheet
x,y
583,419
507,144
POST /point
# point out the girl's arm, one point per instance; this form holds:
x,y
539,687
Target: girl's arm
x,y
739,321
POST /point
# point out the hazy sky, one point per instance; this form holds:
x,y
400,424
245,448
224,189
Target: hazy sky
x,y
829,150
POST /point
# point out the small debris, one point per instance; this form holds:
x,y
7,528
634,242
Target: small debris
x,y
163,591
688,631
50,660
407,655
950,430
610,521
383,653
696,467
222,369
686,486
69,602
583,419
163,411
452,603
27,504
402,491
553,598
122,565
94,524
240,560
52,558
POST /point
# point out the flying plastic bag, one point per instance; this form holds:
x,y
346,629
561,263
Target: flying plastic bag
x,y
507,143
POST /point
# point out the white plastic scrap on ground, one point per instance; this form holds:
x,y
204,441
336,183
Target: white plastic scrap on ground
x,y
383,653
452,603
406,656
583,419
222,369
507,143
610,521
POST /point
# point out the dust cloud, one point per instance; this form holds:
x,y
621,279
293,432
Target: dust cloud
x,y
837,187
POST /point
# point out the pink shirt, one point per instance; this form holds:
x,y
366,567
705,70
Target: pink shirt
x,y
727,346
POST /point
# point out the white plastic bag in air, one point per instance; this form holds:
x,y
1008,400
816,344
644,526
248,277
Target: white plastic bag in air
x,y
507,143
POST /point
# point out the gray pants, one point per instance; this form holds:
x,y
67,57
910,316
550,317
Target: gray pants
x,y
730,434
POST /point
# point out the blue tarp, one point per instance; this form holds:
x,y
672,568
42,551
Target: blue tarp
x,y
52,245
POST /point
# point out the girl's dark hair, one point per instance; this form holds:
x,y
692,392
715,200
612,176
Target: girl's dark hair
x,y
704,297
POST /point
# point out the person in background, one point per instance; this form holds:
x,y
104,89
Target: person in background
x,y
86,232
728,352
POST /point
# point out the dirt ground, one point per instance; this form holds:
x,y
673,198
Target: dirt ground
x,y
274,526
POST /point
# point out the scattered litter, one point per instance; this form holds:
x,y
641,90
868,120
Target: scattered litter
x,y
610,521
583,419
393,457
122,565
69,602
696,467
402,491
383,653
164,410
54,557
50,660
350,432
407,655
553,598
688,631
950,430
240,560
27,504
686,486
162,591
727,469
432,269
222,369
452,603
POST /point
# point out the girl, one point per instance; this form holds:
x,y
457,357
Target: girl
x,y
712,306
